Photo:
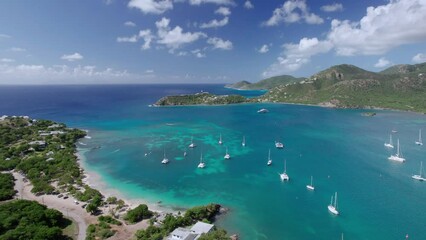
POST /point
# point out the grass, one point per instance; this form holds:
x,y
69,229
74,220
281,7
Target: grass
x,y
71,230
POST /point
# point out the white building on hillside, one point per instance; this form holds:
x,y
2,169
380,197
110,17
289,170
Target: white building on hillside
x,y
190,234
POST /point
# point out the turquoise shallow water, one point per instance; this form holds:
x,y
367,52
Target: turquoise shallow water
x,y
343,151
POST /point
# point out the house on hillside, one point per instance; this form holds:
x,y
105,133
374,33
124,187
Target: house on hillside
x,y
190,234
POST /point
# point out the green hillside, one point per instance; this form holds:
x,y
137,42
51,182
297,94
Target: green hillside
x,y
348,86
266,84
405,69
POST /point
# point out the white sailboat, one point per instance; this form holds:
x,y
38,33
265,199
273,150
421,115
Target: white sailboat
x,y
201,164
311,186
284,176
184,153
220,139
333,206
390,143
269,158
279,145
227,156
165,159
192,145
398,156
243,143
420,142
419,177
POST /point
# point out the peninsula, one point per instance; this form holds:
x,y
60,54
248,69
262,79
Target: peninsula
x,y
400,87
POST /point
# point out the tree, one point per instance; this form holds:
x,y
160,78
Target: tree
x,y
139,213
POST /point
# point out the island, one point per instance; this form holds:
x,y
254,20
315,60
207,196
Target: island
x,y
400,87
44,194
202,98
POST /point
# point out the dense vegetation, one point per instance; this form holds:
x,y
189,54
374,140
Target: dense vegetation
x,y
400,87
218,234
44,151
6,186
191,216
22,219
102,230
265,84
138,214
200,99
348,86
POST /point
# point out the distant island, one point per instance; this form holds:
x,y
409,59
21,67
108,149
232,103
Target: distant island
x,y
202,98
400,87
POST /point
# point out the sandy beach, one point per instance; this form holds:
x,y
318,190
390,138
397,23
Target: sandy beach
x,y
71,210
95,181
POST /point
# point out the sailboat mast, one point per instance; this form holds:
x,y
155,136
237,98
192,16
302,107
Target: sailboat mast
x,y
285,166
335,200
397,151
311,180
420,135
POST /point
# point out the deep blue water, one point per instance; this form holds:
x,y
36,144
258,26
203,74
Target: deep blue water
x,y
340,148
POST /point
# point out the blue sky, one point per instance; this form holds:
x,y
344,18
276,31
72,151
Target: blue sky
x,y
202,41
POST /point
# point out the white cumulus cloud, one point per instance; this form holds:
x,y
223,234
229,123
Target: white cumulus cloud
x,y
264,48
381,29
215,23
291,12
219,43
382,62
223,11
130,24
131,39
175,38
219,2
335,7
295,56
72,57
198,53
248,5
151,6
419,58
147,37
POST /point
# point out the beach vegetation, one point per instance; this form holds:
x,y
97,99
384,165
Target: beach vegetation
x,y
138,214
6,186
217,234
44,151
110,220
101,230
23,219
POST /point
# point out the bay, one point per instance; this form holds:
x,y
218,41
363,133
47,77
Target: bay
x,y
340,148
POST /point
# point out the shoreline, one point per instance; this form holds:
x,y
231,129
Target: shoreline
x,y
322,105
96,181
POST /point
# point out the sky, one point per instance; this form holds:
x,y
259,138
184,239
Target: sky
x,y
202,41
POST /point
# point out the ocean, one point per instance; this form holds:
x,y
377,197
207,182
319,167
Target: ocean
x,y
340,148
